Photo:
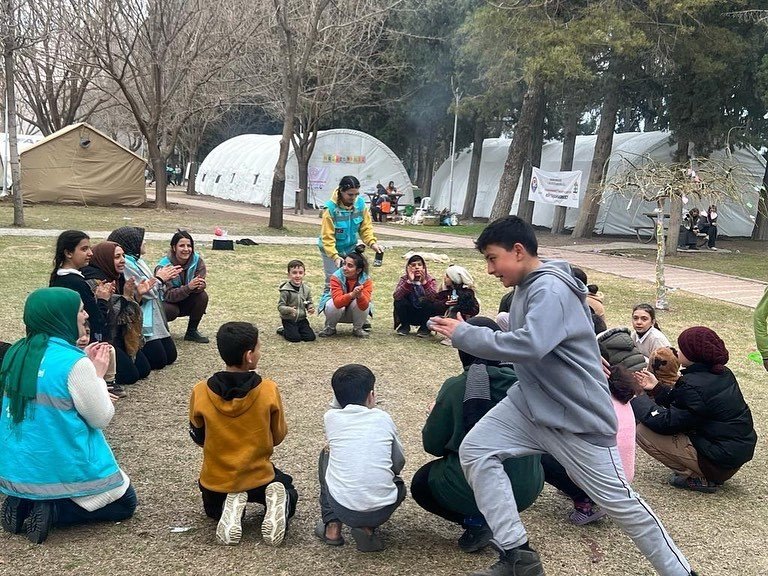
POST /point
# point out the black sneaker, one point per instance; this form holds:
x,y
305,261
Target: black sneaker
x,y
280,331
475,538
15,511
117,390
403,330
424,332
195,336
367,326
515,562
40,521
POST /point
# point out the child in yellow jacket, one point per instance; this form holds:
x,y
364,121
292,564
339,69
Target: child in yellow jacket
x,y
237,417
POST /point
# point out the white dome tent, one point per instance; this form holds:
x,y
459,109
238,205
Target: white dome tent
x,y
241,168
618,215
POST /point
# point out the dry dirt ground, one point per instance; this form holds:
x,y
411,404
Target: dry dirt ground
x,y
722,534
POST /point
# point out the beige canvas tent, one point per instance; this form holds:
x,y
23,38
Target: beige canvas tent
x,y
79,164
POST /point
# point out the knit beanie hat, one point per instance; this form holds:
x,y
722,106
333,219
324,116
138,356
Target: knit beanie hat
x,y
663,363
702,344
460,276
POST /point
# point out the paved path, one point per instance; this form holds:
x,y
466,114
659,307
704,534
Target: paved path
x,y
711,285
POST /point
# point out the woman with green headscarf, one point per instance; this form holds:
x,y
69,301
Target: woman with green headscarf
x,y
57,468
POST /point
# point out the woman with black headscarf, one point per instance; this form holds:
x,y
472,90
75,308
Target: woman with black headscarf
x,y
159,347
439,486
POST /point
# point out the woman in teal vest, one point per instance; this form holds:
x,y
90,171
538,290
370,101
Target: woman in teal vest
x,y
56,466
185,294
439,486
345,218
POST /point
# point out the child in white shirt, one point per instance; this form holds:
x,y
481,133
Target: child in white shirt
x,y
360,466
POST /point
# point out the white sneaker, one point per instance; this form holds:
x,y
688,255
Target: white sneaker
x,y
276,516
713,248
229,531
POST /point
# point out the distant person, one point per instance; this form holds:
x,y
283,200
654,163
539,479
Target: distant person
x,y
295,305
393,196
378,198
185,294
689,230
702,427
760,321
359,470
594,297
647,335
237,417
708,225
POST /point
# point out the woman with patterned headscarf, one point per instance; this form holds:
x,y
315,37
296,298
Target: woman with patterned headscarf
x,y
123,316
57,467
159,347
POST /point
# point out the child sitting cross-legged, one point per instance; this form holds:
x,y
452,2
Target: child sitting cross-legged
x,y
237,417
359,468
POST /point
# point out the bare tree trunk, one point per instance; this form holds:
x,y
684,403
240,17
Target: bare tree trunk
x,y
760,231
158,161
525,206
676,205
429,166
303,160
570,127
474,169
9,46
585,224
661,284
513,166
192,172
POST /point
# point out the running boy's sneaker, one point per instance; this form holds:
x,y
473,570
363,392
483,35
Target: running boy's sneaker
x,y
276,516
230,529
515,562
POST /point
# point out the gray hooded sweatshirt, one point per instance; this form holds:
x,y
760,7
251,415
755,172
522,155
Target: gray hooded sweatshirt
x,y
551,341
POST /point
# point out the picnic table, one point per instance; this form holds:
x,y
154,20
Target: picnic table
x,y
647,233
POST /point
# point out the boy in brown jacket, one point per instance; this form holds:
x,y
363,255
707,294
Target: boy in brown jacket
x,y
237,417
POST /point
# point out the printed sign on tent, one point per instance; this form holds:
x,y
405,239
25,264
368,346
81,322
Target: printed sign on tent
x,y
561,188
318,177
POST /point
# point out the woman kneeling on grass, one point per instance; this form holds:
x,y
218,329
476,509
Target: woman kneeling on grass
x,y
57,468
185,294
159,347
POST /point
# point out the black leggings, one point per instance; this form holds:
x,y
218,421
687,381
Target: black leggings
x,y
160,353
130,371
423,495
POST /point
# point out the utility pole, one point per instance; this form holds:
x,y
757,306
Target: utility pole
x,y
457,96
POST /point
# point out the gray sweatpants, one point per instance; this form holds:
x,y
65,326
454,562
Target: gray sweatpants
x,y
504,432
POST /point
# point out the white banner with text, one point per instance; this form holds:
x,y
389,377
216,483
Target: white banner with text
x,y
561,188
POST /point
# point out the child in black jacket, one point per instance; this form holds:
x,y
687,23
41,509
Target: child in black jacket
x,y
701,428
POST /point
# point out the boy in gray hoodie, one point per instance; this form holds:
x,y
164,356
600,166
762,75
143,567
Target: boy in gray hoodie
x,y
561,404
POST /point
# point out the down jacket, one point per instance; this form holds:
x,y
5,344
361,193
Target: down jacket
x,y
711,410
617,346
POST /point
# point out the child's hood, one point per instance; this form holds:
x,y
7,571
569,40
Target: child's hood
x,y
290,287
232,393
560,269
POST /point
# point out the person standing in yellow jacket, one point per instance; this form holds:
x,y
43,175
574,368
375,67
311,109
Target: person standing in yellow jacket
x,y
345,218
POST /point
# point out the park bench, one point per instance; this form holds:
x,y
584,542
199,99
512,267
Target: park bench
x,y
647,233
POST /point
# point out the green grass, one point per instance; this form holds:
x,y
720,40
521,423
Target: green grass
x,y
722,534
196,220
744,258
